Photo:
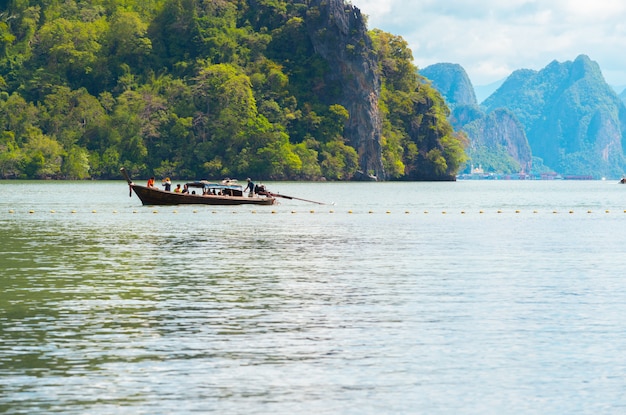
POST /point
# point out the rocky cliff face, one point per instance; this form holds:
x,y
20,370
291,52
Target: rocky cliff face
x,y
452,82
574,121
499,131
339,34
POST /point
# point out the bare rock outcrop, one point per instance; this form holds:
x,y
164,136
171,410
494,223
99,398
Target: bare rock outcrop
x,y
339,34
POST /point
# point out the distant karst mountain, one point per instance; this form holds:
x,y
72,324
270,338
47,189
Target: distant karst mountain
x,y
497,140
452,82
573,119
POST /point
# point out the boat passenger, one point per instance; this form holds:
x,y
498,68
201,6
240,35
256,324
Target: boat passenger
x,y
178,189
185,189
150,182
167,183
259,189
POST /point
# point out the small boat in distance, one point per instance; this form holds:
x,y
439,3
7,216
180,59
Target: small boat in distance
x,y
228,192
622,180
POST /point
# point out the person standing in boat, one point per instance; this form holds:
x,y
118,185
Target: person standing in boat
x,y
250,186
167,184
151,182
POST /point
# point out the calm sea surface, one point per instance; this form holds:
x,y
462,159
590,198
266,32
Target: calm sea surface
x,y
486,297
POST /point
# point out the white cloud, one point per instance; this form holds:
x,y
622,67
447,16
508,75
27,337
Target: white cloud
x,y
492,38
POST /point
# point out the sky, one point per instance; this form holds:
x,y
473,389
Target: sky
x,y
492,38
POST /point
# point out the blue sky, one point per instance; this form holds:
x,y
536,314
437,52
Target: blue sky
x,y
492,38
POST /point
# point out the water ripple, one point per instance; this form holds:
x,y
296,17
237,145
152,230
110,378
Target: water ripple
x,y
283,313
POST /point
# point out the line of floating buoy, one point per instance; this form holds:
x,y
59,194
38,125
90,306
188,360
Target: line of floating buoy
x,y
312,211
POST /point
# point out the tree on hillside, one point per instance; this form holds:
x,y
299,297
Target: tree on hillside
x,y
205,88
419,142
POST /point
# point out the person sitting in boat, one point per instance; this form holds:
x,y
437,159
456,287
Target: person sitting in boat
x,y
260,189
185,189
150,182
178,189
167,184
250,186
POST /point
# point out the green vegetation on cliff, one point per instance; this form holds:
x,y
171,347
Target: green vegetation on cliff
x,y
190,88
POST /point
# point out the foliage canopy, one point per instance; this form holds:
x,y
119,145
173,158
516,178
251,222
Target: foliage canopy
x,y
191,88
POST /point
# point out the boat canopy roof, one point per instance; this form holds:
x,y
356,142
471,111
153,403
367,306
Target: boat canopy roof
x,y
225,184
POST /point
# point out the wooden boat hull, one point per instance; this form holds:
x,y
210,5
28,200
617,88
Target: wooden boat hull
x,y
154,196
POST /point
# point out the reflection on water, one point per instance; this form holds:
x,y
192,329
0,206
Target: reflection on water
x,y
233,310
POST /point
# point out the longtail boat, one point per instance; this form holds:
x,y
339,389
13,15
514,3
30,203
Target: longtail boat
x,y
226,192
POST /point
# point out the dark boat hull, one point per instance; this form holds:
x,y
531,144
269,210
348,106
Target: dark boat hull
x,y
154,196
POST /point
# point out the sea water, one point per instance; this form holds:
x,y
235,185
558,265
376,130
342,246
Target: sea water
x,y
478,297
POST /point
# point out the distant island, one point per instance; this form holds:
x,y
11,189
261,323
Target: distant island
x,y
562,121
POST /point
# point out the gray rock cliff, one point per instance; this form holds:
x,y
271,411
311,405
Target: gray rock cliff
x,y
499,133
339,34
